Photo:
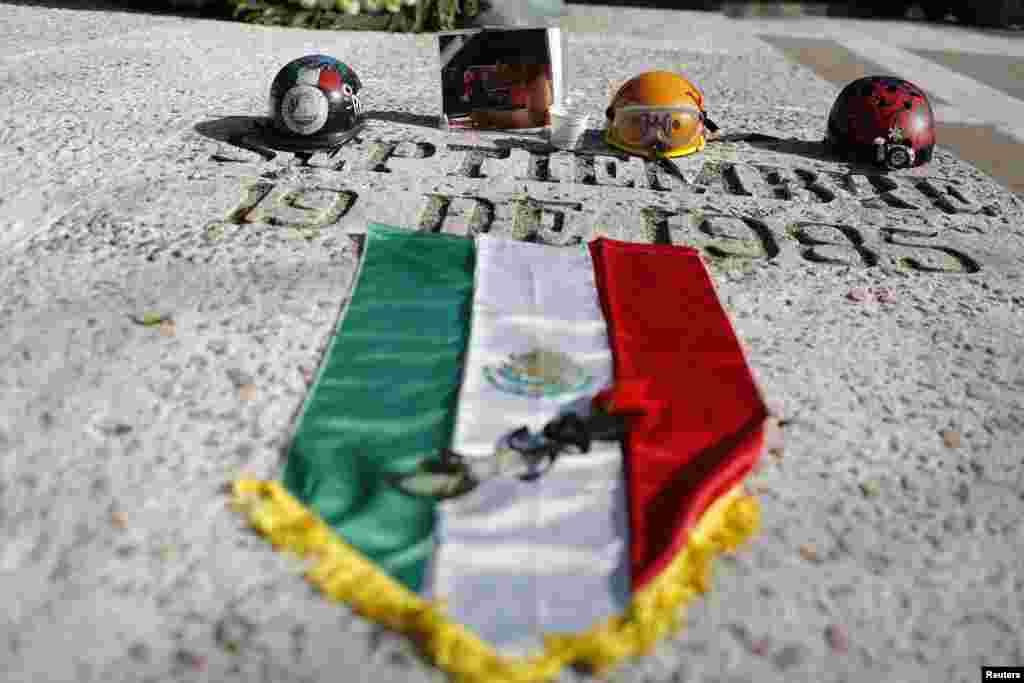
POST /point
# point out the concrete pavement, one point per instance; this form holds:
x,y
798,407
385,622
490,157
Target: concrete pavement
x,y
883,312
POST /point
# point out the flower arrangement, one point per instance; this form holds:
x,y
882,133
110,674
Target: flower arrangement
x,y
373,15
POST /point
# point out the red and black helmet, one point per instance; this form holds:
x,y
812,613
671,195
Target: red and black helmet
x,y
884,120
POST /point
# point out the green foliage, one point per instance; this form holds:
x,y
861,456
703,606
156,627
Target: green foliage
x,y
354,15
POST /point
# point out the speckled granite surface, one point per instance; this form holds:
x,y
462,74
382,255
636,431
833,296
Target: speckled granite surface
x,y
884,314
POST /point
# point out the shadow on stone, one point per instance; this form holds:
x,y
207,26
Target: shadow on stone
x,y
815,150
253,133
243,132
532,146
591,142
227,128
424,120
810,149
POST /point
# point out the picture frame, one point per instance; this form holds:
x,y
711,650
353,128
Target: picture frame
x,y
499,77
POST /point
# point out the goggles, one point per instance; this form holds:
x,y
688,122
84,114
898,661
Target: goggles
x,y
667,131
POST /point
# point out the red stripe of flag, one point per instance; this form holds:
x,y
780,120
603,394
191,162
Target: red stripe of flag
x,y
680,368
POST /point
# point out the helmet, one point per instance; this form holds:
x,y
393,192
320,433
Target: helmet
x,y
884,120
658,114
314,100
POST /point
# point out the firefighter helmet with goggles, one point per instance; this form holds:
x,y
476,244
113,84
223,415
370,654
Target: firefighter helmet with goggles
x,y
658,114
882,120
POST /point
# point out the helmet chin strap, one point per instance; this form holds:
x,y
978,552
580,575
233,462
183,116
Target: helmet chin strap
x,y
672,168
660,148
661,145
708,123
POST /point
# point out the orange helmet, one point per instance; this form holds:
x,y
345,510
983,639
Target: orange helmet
x,y
658,114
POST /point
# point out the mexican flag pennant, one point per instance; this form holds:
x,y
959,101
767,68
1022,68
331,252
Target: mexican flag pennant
x,y
522,456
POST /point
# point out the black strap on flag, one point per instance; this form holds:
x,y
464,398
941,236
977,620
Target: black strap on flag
x,y
449,475
562,435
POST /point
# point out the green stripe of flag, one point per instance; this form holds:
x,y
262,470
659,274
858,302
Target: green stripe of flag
x,y
385,396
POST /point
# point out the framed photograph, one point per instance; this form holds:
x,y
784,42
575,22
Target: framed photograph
x,y
500,78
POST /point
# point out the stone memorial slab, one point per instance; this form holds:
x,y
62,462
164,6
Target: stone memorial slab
x,y
168,283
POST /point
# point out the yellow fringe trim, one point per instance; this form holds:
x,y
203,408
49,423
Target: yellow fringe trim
x,y
343,574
